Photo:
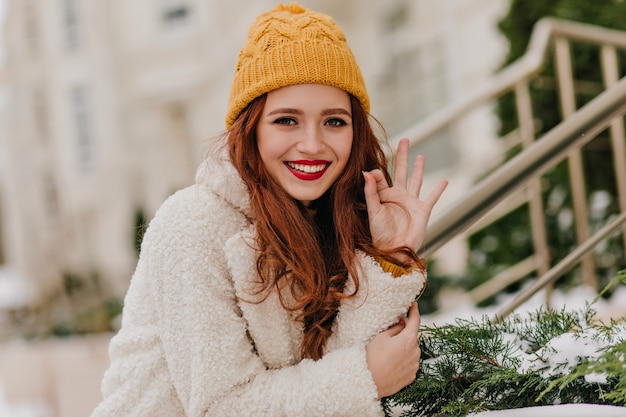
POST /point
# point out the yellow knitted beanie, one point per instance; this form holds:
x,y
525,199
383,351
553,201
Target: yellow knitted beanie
x,y
293,45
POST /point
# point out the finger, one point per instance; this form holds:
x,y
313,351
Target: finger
x,y
379,177
434,195
372,199
417,176
395,329
401,171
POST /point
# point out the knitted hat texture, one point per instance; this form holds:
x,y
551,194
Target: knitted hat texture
x,y
291,45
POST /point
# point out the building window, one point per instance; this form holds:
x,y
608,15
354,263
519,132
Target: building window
x,y
84,140
174,11
415,81
70,20
51,196
40,115
31,27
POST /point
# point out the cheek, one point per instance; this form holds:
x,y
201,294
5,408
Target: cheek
x,y
262,149
345,149
264,145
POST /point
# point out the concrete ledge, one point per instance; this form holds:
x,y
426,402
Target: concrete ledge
x,y
62,373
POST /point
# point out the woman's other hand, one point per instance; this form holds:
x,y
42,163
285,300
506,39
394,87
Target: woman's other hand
x,y
393,356
397,216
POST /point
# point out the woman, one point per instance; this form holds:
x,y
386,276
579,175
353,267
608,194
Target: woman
x,y
279,284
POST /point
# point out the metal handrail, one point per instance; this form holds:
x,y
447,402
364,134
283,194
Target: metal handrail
x,y
522,173
573,132
578,127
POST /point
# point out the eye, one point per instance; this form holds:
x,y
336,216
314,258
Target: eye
x,y
287,121
335,122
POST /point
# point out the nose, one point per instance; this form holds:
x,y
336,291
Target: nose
x,y
311,141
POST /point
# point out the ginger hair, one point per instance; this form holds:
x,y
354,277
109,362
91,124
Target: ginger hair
x,y
310,256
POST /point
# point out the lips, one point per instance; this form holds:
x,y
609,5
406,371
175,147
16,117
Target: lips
x,y
307,170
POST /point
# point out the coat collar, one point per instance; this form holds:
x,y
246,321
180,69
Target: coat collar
x,y
219,175
276,334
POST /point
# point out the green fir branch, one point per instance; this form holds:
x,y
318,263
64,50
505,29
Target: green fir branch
x,y
475,365
620,279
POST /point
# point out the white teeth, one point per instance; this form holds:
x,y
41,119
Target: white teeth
x,y
309,169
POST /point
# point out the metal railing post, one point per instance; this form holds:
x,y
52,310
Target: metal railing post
x,y
535,201
610,73
575,161
562,267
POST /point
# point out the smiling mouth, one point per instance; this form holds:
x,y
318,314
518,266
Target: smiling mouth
x,y
308,171
307,168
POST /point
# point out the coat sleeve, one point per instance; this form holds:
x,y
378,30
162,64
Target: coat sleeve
x,y
379,303
184,350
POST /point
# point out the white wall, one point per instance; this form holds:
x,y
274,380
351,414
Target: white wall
x,y
156,94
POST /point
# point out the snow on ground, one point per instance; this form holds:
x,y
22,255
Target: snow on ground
x,y
565,410
15,292
22,409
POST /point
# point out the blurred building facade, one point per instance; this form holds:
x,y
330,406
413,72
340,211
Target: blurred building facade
x,y
110,104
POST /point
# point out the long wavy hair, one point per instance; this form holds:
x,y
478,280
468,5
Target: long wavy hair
x,y
310,255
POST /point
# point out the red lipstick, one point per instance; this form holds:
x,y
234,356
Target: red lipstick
x,y
307,170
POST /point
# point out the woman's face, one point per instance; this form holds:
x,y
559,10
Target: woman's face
x,y
304,138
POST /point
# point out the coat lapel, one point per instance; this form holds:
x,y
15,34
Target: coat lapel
x,y
273,330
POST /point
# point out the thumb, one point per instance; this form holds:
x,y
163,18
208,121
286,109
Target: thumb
x,y
413,320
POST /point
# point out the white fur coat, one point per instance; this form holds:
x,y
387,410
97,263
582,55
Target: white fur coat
x,y
190,346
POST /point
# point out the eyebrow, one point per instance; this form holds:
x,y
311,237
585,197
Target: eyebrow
x,y
325,112
338,110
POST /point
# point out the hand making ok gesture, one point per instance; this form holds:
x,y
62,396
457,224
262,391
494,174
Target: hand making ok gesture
x,y
397,216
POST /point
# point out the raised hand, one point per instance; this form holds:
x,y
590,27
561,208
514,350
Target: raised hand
x,y
393,356
397,216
